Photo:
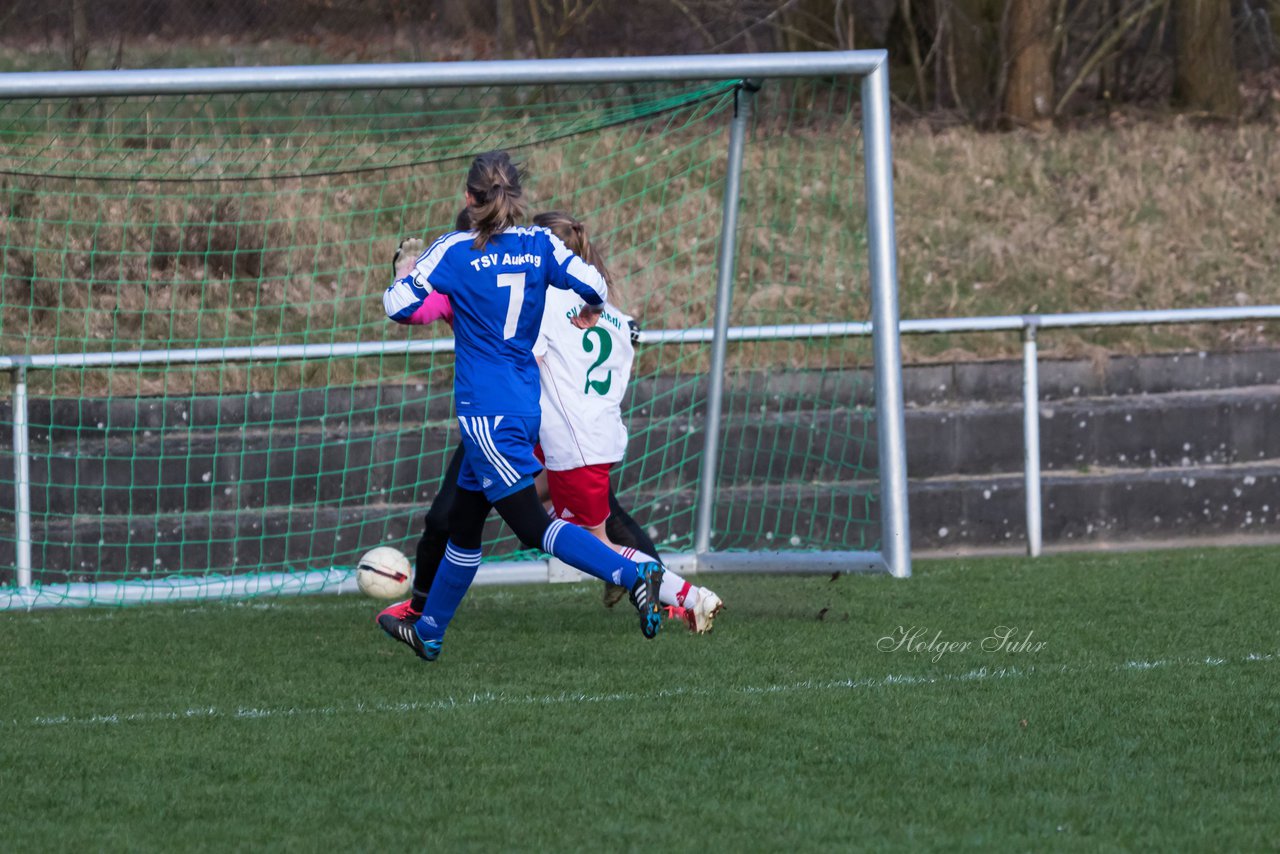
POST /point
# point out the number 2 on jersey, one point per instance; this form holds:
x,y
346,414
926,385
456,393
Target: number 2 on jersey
x,y
606,347
515,300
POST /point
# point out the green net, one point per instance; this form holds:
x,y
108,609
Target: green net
x,y
165,231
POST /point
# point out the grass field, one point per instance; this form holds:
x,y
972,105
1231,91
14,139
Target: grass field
x,y
1134,707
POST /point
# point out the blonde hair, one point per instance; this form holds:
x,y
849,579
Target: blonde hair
x,y
497,197
573,234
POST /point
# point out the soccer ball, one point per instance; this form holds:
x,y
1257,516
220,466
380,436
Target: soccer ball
x,y
384,573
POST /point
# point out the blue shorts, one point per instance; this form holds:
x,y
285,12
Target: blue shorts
x,y
498,458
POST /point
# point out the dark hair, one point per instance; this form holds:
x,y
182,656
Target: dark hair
x,y
494,184
574,235
463,222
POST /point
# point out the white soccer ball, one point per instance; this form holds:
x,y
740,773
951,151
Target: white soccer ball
x,y
384,573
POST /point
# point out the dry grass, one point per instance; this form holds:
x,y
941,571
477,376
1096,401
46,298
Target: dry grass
x,y
1150,215
1142,215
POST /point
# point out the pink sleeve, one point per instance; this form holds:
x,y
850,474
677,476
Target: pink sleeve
x,y
434,307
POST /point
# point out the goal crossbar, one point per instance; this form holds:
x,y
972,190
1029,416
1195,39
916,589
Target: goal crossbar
x,y
406,75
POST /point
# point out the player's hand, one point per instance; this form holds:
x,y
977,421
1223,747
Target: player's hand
x,y
406,256
588,317
634,329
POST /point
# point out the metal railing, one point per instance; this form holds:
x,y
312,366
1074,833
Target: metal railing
x,y
1028,325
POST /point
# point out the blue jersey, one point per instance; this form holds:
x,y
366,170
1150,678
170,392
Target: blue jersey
x,y
497,294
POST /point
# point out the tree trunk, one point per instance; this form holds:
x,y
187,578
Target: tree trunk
x,y
506,16
1109,68
79,41
1206,79
1028,97
79,48
971,56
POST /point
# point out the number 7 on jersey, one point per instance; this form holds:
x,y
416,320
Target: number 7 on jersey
x,y
515,299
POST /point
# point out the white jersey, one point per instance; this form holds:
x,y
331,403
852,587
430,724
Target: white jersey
x,y
584,375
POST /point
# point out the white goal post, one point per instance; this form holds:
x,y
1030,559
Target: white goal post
x,y
868,66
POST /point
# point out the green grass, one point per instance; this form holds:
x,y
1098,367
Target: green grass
x,y
1146,720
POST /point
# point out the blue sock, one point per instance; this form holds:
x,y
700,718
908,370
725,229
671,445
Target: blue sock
x,y
579,549
456,572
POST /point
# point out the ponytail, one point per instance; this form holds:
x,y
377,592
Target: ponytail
x,y
494,184
573,234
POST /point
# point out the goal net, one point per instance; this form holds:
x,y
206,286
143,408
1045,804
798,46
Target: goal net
x,y
205,398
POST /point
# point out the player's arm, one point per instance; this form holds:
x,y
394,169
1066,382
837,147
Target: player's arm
x,y
571,272
587,317
410,299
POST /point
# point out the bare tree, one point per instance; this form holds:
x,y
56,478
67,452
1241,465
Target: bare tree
x,y
969,60
1206,76
817,25
506,16
1028,94
79,41
553,20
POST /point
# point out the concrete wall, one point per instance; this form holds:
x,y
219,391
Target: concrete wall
x,y
1146,449
1151,449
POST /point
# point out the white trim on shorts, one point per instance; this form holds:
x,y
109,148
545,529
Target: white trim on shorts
x,y
478,431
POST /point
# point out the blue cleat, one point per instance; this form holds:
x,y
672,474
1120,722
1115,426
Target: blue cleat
x,y
644,595
407,633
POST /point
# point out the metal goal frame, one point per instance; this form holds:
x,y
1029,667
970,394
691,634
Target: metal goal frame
x,y
869,65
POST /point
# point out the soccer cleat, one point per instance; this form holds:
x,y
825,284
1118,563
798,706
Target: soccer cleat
x,y
701,617
407,633
401,611
613,594
644,595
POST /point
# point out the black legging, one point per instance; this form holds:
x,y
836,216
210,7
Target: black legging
x,y
521,510
435,532
620,528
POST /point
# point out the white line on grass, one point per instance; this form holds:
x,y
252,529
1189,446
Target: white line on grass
x,y
490,698
219,608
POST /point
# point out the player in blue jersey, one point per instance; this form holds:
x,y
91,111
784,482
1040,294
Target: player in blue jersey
x,y
496,276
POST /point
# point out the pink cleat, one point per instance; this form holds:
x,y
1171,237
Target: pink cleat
x,y
400,611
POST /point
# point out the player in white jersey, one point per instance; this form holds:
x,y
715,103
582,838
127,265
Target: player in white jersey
x,y
584,361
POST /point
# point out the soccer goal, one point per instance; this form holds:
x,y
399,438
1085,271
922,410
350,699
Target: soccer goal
x,y
206,399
